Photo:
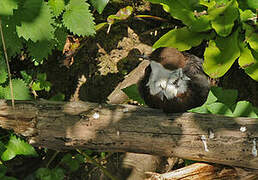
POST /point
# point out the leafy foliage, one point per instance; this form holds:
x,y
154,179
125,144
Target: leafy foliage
x,y
133,93
48,174
78,11
219,19
16,146
99,4
223,102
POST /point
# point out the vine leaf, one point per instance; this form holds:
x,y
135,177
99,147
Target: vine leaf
x,y
224,18
252,69
219,108
36,50
16,146
20,90
57,6
37,27
244,109
220,55
78,19
12,41
7,7
99,4
251,36
182,39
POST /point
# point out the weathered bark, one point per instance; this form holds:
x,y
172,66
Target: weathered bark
x,y
71,125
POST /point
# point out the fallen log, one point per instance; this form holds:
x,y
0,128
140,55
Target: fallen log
x,y
126,128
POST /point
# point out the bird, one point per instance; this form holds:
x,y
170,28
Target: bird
x,y
174,81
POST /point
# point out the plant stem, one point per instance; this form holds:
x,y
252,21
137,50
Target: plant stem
x,y
93,161
7,63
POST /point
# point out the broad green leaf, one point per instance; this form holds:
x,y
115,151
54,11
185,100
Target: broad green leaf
x,y
244,109
78,18
186,11
133,93
246,58
60,37
251,36
245,15
202,109
16,146
35,48
225,96
12,42
20,90
252,4
7,7
220,55
35,28
224,21
220,108
99,4
252,70
57,6
182,39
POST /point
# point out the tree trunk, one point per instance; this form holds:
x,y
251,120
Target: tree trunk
x,y
84,125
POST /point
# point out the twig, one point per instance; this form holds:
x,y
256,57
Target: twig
x,y
97,164
7,64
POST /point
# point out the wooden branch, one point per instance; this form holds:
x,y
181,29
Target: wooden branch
x,y
84,125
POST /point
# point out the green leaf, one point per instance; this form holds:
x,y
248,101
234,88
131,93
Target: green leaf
x,y
78,19
220,108
12,41
35,48
60,37
57,6
99,4
37,27
224,21
16,146
71,162
202,109
245,15
220,55
20,90
58,97
251,36
49,174
182,39
3,70
252,4
7,7
133,93
246,58
244,109
3,170
252,70
225,96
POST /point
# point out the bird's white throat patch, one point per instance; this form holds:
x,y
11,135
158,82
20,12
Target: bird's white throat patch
x,y
163,82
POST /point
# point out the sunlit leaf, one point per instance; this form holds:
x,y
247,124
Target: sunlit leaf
x,y
78,18
219,108
7,7
220,55
182,39
244,109
57,6
16,146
